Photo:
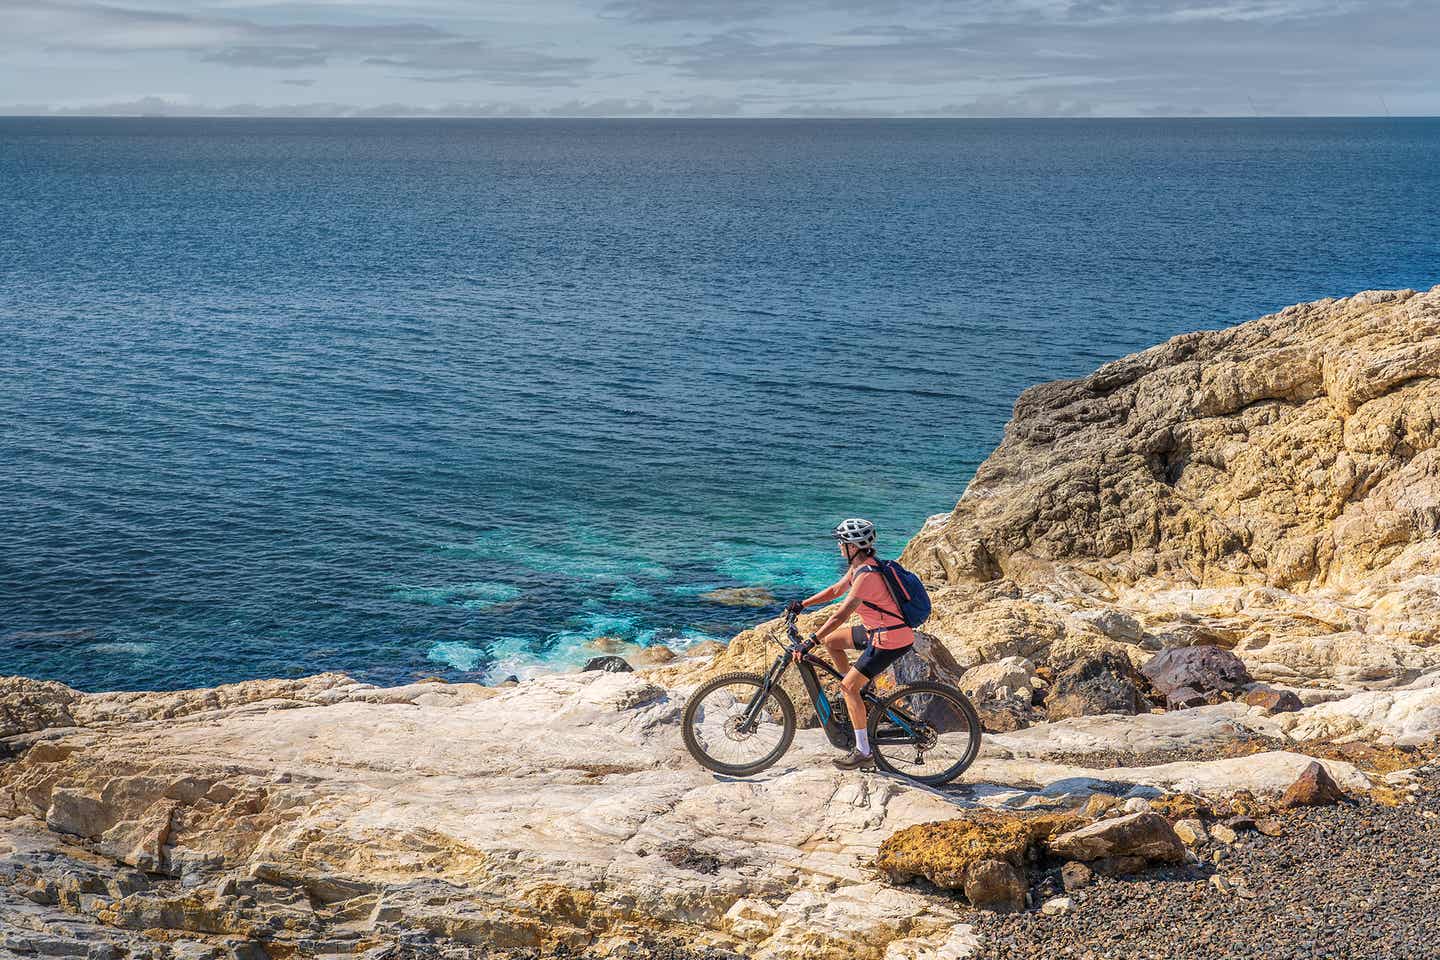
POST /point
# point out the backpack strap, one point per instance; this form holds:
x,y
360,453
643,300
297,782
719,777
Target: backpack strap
x,y
878,567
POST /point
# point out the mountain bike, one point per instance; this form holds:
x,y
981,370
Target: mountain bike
x,y
742,723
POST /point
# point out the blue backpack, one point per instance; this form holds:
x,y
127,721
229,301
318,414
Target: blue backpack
x,y
911,600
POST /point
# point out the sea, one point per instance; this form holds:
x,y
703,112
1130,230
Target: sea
x,y
463,398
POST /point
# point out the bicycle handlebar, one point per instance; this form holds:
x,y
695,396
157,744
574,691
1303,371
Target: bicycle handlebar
x,y
797,643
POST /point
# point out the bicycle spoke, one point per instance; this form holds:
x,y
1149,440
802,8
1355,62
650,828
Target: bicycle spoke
x,y
720,726
926,734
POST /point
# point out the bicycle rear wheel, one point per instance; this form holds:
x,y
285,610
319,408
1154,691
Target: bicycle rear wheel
x,y
729,729
925,731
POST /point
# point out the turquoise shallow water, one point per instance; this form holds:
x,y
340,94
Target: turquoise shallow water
x,y
400,397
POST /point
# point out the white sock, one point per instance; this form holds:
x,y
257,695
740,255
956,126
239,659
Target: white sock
x,y
862,742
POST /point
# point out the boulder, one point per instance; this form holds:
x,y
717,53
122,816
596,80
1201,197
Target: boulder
x,y
652,655
1097,683
1002,692
995,885
1271,700
945,852
608,664
1204,669
1191,832
1006,679
705,648
1056,906
1074,875
1145,835
1185,698
1115,624
1315,787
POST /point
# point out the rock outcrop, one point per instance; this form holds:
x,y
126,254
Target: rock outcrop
x,y
1273,488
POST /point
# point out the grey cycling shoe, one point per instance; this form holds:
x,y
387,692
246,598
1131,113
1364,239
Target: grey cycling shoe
x,y
855,760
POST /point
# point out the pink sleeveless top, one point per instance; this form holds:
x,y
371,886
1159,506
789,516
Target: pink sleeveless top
x,y
870,585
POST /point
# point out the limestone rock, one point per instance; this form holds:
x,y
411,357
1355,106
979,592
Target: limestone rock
x,y
27,705
1314,787
1056,906
1145,835
1191,832
651,655
705,648
1286,466
1114,623
1002,692
1407,717
943,852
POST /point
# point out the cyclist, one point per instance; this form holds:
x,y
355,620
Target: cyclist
x,y
881,636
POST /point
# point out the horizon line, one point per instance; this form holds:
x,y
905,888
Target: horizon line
x,y
652,117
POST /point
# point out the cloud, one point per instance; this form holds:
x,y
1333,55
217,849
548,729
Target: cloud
x,y
178,106
733,57
439,54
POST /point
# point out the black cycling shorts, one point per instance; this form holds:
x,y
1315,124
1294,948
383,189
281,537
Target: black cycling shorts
x,y
873,660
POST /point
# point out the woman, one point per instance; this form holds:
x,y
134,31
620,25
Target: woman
x,y
881,636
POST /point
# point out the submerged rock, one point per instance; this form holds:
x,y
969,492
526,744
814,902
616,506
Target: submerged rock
x,y
608,664
741,597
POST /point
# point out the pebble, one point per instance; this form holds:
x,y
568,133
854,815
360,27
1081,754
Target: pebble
x,y
1223,833
1191,832
1346,882
1057,905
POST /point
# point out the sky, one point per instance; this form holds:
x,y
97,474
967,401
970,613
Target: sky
x,y
721,58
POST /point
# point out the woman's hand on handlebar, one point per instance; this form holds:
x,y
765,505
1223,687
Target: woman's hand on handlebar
x,y
797,653
794,608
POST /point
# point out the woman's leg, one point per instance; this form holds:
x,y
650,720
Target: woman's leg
x,y
839,642
853,682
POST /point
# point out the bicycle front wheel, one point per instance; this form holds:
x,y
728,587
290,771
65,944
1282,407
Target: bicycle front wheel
x,y
734,725
925,731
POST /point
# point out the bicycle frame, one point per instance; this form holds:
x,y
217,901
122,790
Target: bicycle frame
x,y
839,735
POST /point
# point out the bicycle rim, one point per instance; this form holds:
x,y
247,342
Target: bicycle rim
x,y
927,732
727,731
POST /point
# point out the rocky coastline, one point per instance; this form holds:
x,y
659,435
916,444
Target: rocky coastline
x,y
1194,595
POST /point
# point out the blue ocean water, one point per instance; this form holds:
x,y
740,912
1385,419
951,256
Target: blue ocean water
x,y
423,396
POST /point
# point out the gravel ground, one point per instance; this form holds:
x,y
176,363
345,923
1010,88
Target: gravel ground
x,y
1354,881
1383,759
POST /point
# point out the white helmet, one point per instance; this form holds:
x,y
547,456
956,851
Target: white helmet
x,y
856,531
